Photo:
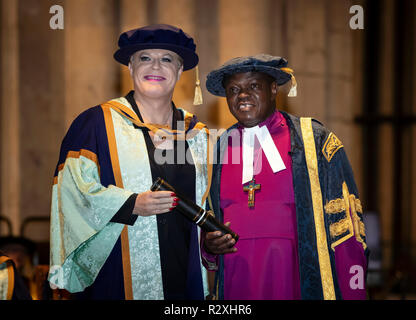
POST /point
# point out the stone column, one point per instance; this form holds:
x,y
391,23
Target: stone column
x,y
41,103
344,72
133,14
413,151
307,54
244,27
326,57
386,107
181,13
358,69
10,152
339,107
206,17
91,73
279,46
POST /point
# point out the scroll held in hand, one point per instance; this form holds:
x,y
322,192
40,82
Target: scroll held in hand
x,y
205,219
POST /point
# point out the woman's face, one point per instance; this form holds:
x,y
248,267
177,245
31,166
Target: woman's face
x,y
155,72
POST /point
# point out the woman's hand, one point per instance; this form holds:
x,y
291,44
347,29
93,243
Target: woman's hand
x,y
155,202
216,243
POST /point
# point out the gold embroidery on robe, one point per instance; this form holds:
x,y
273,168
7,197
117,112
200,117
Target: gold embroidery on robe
x,y
345,224
335,206
331,146
340,227
351,223
359,228
358,206
318,210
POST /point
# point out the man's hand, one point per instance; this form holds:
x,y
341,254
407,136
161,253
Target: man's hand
x,y
155,202
216,243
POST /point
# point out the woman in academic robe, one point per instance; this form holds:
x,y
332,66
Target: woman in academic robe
x,y
111,236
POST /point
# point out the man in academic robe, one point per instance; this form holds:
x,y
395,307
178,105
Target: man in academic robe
x,y
285,186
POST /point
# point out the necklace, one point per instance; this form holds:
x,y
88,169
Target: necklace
x,y
167,122
251,187
159,140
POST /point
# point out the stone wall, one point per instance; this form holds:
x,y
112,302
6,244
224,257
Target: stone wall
x,y
49,76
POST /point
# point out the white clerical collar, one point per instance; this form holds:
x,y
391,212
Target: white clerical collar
x,y
268,146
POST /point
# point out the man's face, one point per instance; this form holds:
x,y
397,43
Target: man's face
x,y
251,97
155,72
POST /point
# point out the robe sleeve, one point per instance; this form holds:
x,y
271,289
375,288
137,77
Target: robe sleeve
x,y
125,214
82,234
344,217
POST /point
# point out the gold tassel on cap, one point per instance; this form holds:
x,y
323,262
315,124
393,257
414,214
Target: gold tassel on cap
x,y
293,89
198,92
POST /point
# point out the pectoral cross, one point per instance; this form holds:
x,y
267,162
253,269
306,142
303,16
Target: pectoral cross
x,y
251,188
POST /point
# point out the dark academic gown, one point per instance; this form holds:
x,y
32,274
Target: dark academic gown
x,y
342,209
178,238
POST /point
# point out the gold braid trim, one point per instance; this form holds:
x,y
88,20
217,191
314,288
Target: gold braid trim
x,y
345,224
359,228
338,205
351,222
340,227
358,206
331,146
327,280
335,206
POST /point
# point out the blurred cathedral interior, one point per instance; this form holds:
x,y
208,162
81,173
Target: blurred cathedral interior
x,y
359,82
